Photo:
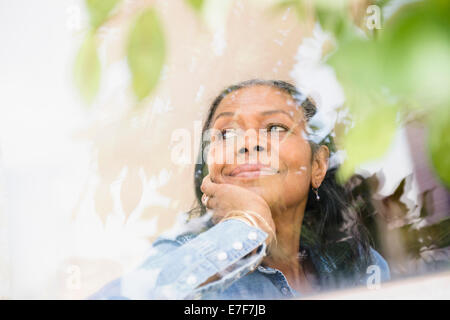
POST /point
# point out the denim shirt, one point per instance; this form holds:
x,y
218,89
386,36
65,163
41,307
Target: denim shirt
x,y
174,268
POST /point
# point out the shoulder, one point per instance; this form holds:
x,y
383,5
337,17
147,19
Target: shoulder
x,y
380,265
343,266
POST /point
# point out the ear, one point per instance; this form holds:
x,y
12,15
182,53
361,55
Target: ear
x,y
319,166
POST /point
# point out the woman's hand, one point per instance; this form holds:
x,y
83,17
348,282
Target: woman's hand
x,y
224,198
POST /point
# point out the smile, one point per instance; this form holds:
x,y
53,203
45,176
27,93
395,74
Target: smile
x,y
252,171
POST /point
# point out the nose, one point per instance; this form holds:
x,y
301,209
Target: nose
x,y
255,148
251,141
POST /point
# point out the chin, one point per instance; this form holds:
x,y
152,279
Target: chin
x,y
263,187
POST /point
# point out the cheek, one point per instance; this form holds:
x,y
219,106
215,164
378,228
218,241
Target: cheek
x,y
295,155
215,162
296,187
296,183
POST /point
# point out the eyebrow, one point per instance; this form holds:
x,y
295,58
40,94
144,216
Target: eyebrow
x,y
264,113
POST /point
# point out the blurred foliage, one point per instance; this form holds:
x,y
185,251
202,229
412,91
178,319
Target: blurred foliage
x,y
87,68
388,72
415,50
358,66
390,75
426,238
439,142
146,52
381,121
197,5
99,10
333,15
384,72
387,221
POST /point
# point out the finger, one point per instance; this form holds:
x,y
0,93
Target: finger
x,y
212,202
208,186
204,183
205,199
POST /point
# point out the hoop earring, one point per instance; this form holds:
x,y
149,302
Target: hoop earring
x,y
316,191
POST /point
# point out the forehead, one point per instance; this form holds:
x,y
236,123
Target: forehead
x,y
258,98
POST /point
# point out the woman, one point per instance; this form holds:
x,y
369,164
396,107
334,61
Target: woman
x,y
280,226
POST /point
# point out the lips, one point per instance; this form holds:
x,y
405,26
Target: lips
x,y
252,170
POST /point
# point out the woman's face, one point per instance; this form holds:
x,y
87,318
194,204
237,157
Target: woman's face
x,y
260,144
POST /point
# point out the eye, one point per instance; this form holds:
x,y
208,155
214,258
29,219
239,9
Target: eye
x,y
229,133
277,128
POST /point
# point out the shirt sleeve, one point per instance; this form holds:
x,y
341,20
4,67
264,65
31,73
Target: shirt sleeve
x,y
377,272
380,262
175,271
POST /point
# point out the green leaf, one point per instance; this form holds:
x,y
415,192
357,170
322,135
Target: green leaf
x,y
87,69
369,139
415,46
197,5
439,143
332,20
99,10
357,65
146,53
382,3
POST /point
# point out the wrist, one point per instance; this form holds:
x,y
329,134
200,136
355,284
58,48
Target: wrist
x,y
253,219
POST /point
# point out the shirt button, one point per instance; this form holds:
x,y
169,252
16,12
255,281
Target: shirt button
x,y
222,256
252,235
191,279
237,245
285,291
